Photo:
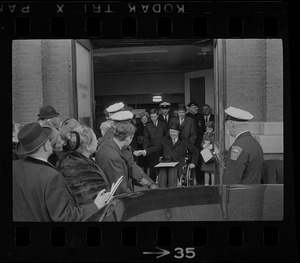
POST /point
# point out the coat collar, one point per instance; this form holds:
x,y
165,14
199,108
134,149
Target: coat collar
x,y
38,161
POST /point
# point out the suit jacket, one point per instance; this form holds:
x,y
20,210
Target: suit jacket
x,y
243,161
161,118
154,135
40,194
187,128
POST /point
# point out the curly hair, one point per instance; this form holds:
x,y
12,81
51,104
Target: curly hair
x,y
81,137
123,130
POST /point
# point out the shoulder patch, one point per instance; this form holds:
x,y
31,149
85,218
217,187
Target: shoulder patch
x,y
235,152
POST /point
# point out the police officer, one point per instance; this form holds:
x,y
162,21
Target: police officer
x,y
244,159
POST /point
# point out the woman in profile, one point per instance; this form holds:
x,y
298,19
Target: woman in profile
x,y
82,174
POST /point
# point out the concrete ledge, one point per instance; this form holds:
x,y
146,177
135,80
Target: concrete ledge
x,y
271,128
270,143
266,128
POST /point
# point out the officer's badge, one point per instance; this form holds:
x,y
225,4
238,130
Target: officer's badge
x,y
235,152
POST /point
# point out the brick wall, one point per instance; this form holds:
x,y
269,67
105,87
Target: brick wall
x,y
274,80
27,80
42,75
245,75
254,77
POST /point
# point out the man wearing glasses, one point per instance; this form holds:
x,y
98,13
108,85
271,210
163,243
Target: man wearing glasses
x,y
244,159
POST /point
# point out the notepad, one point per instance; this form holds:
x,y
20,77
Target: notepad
x,y
168,164
206,154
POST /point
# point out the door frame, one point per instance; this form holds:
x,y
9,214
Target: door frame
x,y
208,74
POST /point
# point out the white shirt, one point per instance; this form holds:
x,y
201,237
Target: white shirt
x,y
175,140
206,117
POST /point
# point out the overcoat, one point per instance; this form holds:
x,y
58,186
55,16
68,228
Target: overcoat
x,y
41,194
83,175
177,152
243,161
153,135
114,164
187,128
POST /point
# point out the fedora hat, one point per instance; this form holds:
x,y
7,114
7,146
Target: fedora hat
x,y
47,112
174,126
31,137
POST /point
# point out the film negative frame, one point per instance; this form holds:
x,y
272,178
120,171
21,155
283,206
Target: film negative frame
x,y
165,241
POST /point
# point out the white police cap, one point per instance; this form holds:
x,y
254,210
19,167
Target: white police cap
x,y
115,107
164,104
122,116
236,114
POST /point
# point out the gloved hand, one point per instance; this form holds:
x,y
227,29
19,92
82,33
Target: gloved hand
x,y
153,186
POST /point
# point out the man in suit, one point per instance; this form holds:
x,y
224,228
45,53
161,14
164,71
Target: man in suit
x,y
165,109
187,125
154,132
244,159
40,193
199,122
174,150
205,117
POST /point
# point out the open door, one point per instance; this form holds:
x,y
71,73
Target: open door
x,y
84,87
219,89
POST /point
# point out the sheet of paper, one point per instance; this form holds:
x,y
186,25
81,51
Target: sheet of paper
x,y
169,164
206,154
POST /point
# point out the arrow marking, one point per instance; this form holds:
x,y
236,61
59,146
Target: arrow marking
x,y
160,253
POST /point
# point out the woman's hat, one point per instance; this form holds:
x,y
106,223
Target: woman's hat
x,y
47,112
67,126
31,137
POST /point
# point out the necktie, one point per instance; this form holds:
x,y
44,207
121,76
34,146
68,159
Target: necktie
x,y
181,121
174,141
206,118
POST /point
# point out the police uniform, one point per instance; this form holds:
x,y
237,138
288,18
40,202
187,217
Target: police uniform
x,y
244,159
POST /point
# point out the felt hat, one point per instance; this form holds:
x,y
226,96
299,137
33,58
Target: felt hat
x,y
47,112
174,126
236,114
193,103
31,137
181,107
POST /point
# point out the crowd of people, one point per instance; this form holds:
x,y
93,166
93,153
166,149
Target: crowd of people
x,y
63,172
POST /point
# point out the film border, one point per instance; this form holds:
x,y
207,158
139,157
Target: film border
x,y
74,14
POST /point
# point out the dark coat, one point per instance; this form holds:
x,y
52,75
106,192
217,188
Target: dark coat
x,y
114,164
83,176
200,127
187,129
161,118
243,161
135,171
41,194
177,152
139,135
153,135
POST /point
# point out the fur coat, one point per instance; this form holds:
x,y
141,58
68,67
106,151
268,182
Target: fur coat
x,y
83,175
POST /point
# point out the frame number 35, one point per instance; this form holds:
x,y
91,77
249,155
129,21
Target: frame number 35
x,y
187,252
